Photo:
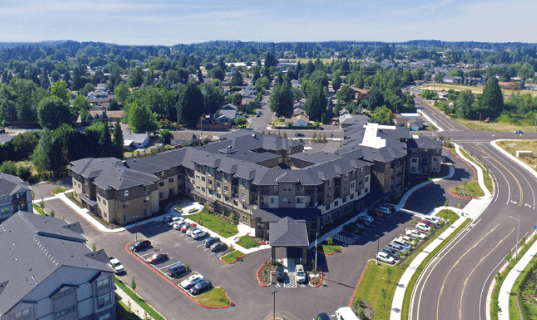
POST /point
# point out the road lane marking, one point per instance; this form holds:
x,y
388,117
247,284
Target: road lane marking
x,y
467,278
514,177
503,175
453,267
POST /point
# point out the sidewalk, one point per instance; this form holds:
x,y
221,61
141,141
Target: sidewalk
x,y
509,282
130,303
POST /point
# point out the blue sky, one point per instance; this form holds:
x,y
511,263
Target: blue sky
x,y
186,21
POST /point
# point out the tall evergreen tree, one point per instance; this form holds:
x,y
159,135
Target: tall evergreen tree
x,y
105,142
190,106
118,141
491,102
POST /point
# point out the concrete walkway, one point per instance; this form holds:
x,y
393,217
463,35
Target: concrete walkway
x,y
472,210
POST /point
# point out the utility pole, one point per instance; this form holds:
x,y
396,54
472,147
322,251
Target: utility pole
x,y
201,127
378,249
517,234
274,305
317,237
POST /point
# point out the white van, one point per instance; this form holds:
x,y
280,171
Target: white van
x,y
346,313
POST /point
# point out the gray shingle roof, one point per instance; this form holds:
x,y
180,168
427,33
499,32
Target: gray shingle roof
x,y
288,233
11,184
33,247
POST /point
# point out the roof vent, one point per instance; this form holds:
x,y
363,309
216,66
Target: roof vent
x,y
253,135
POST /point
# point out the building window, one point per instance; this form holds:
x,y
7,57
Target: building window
x,y
352,196
125,205
147,212
366,179
218,195
359,192
273,200
414,160
235,202
435,159
218,184
202,189
146,188
210,171
105,316
244,196
104,201
286,200
226,189
146,200
103,300
210,182
352,185
287,187
211,192
274,188
244,183
299,201
336,203
328,206
64,311
4,210
330,182
102,284
366,190
243,206
202,178
161,184
197,177
170,180
23,315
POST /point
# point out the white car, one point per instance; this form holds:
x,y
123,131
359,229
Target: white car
x,y
366,218
167,218
116,265
423,227
386,258
388,210
415,234
178,219
190,231
191,281
198,234
178,225
300,274
432,220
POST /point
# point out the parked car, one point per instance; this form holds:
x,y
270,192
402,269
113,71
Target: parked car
x,y
408,239
177,270
300,273
116,265
386,258
218,246
350,228
177,219
191,281
191,230
280,274
391,251
398,247
157,257
259,113
198,234
367,219
167,218
427,222
299,134
403,243
140,245
423,227
210,241
359,225
178,225
392,206
187,226
201,286
375,213
415,234
434,221
388,210
519,131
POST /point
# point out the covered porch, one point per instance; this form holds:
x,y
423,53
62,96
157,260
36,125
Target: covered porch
x,y
292,236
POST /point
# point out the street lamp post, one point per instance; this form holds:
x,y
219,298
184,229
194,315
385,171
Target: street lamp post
x,y
378,249
274,305
517,234
479,116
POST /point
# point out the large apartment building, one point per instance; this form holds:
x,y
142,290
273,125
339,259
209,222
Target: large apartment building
x,y
15,195
256,177
48,272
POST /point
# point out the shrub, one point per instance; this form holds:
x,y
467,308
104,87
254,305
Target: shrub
x,y
330,241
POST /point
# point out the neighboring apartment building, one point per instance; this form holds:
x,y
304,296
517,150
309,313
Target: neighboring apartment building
x,y
15,195
49,273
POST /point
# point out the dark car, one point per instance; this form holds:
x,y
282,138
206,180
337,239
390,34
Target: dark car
x,y
259,113
280,274
392,252
157,257
210,241
350,228
176,270
201,286
140,245
218,246
323,316
298,134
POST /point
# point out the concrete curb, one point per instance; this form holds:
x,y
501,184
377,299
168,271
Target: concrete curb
x,y
359,281
232,262
257,274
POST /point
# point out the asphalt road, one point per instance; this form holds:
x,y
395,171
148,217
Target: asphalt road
x,y
456,284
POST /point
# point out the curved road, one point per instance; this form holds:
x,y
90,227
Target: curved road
x,y
456,283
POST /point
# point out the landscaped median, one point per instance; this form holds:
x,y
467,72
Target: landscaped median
x,y
376,288
214,223
141,302
231,257
211,300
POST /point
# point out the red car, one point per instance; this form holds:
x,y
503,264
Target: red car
x,y
159,256
427,222
187,226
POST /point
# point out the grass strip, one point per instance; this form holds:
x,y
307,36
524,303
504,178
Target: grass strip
x,y
124,312
213,223
419,270
486,174
330,249
379,282
519,283
247,242
500,277
216,298
59,190
141,302
41,211
232,257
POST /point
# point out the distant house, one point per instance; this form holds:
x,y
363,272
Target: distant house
x,y
411,121
228,113
295,84
183,138
136,140
298,109
97,116
348,120
301,121
452,79
97,94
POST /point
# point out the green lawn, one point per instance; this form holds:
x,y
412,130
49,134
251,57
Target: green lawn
x,y
470,189
212,222
214,298
155,315
486,174
59,190
329,249
231,257
247,242
376,278
123,311
41,211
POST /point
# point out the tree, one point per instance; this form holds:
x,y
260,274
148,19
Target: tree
x,y
235,99
241,121
81,105
217,73
55,75
9,167
381,115
166,136
133,284
52,112
88,87
464,104
439,78
117,142
213,96
48,155
141,119
237,80
281,100
270,61
526,71
345,95
315,105
59,89
121,92
262,84
190,106
336,84
135,78
491,101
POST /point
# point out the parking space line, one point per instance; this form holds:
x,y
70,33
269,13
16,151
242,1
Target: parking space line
x,y
201,245
143,255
